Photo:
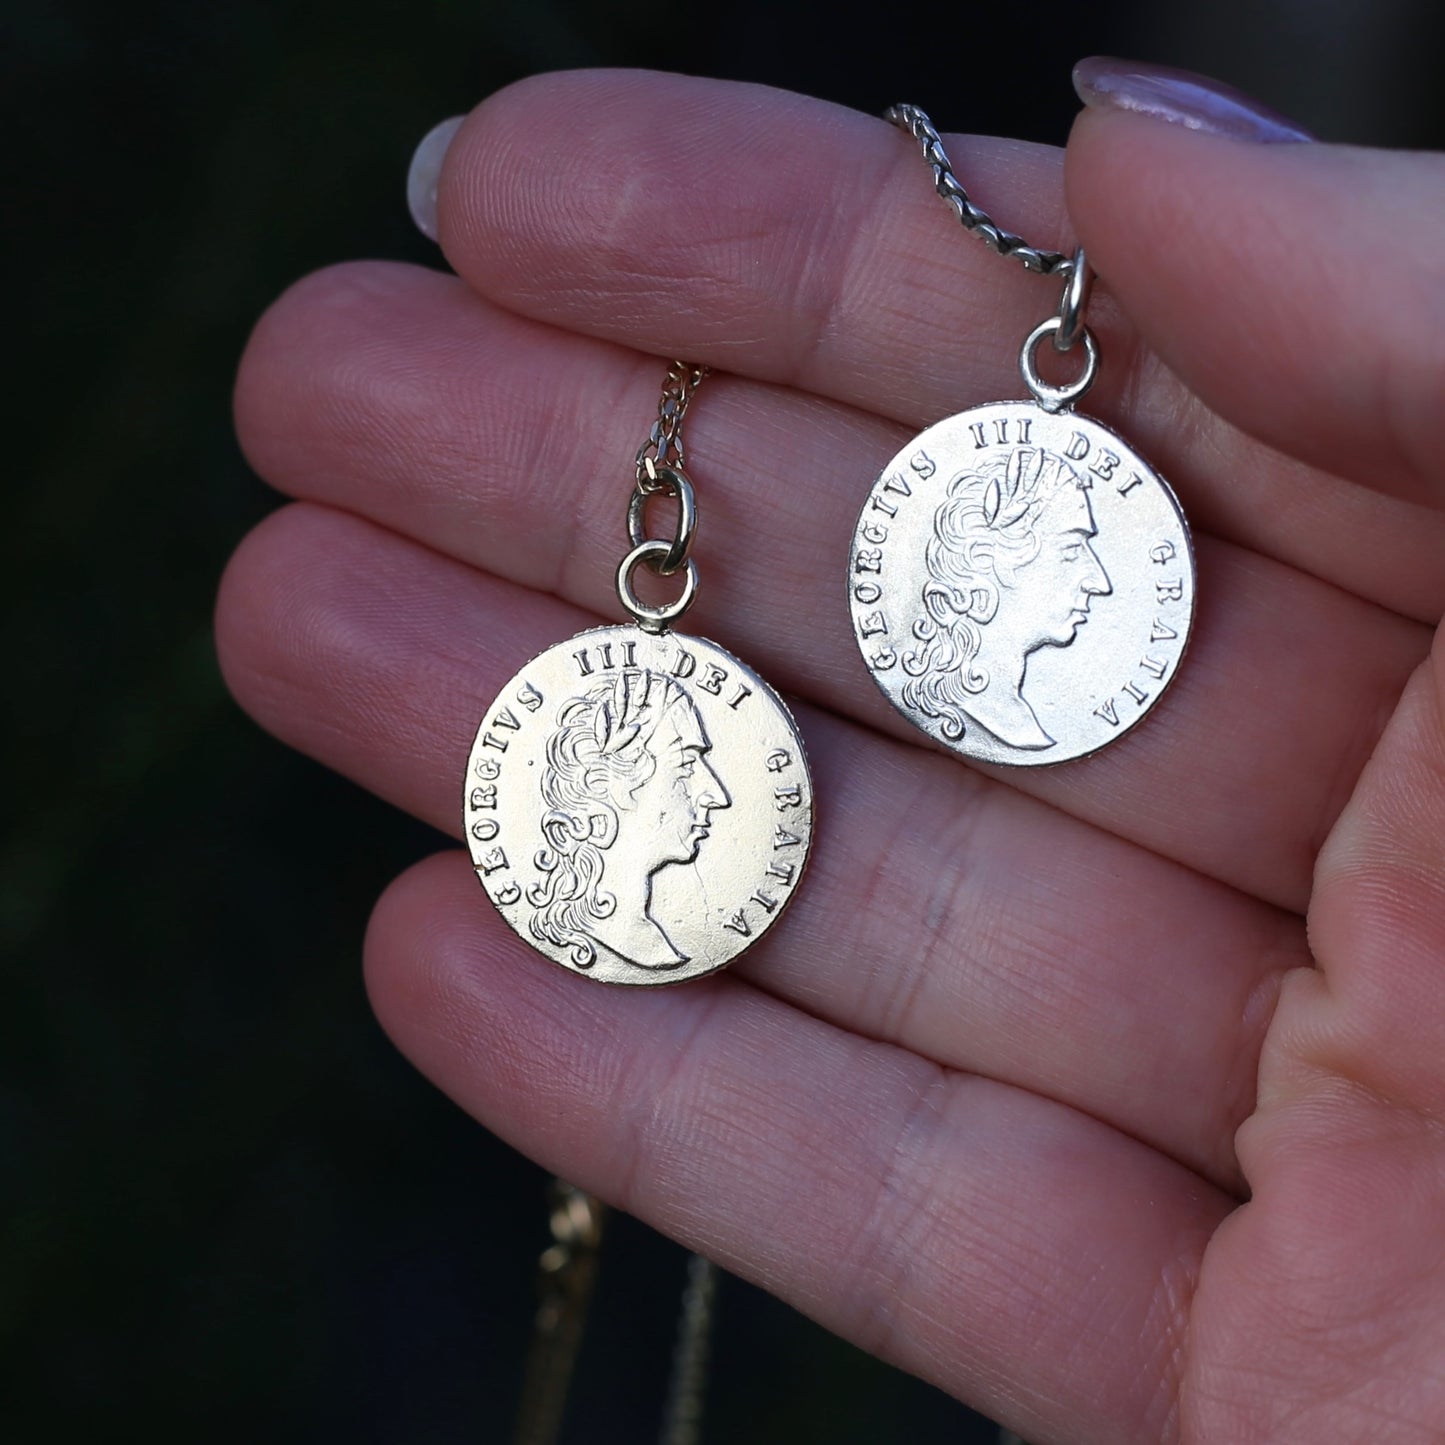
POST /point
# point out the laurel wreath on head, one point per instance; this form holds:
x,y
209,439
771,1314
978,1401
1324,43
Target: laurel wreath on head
x,y
1010,498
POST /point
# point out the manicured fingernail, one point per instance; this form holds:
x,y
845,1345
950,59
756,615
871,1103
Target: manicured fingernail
x,y
1182,98
426,166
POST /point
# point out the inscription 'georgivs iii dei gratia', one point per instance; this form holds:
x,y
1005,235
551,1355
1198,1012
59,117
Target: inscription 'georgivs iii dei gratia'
x,y
638,805
1021,584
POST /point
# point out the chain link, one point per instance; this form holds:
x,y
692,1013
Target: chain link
x,y
663,447
687,1390
973,218
673,483
566,1274
566,1277
660,462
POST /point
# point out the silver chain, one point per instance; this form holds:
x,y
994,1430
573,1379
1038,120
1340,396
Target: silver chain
x,y
973,218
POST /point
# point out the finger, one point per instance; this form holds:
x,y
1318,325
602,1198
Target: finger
x,y
1018,1254
1345,1155
394,393
1319,264
1080,980
803,244
1379,905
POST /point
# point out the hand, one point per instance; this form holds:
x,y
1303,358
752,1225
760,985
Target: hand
x,y
1109,1098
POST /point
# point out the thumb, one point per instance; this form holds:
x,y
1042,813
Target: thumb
x,y
1297,289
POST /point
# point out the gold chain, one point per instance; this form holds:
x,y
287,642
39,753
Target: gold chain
x,y
566,1277
687,1390
567,1269
663,447
660,472
566,1274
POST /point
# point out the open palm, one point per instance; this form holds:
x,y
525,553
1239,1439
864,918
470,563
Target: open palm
x,y
991,1098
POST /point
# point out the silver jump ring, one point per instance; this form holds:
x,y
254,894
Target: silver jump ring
x,y
1071,309
670,481
1057,398
648,617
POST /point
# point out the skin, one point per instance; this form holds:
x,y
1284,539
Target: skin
x,y
1108,1097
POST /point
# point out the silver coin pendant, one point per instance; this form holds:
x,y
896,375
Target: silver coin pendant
x,y
638,805
1021,584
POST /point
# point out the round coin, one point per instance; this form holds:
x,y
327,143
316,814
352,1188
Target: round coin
x,y
638,806
1021,584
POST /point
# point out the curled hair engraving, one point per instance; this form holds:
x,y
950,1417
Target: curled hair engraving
x,y
600,753
985,533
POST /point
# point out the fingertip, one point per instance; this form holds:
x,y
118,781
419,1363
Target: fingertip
x,y
501,137
1181,98
1293,288
408,943
246,598
296,618
424,172
275,400
607,199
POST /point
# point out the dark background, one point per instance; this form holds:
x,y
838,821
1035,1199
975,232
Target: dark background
x,y
230,1211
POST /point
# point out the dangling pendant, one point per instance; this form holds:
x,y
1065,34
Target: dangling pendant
x,y
1021,581
638,803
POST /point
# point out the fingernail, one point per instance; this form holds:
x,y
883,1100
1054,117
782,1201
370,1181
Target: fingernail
x,y
426,167
1182,98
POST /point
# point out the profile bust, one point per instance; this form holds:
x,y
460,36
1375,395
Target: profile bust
x,y
626,791
1010,570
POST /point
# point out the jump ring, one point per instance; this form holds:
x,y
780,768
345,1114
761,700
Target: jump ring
x,y
1057,398
648,617
672,482
1075,299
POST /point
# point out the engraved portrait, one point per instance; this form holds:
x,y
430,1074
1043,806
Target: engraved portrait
x,y
626,790
1010,569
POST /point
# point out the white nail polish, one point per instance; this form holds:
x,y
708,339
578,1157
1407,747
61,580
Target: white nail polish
x,y
426,167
